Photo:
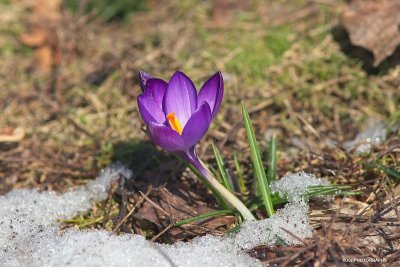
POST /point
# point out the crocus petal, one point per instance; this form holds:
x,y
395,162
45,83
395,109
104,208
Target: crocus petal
x,y
144,76
180,97
197,125
212,92
156,88
150,110
166,138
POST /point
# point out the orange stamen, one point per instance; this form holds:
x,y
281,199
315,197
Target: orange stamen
x,y
174,123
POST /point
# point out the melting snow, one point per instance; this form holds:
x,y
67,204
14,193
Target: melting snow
x,y
30,234
293,185
374,134
288,224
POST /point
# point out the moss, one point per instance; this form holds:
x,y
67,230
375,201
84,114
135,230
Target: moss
x,y
255,54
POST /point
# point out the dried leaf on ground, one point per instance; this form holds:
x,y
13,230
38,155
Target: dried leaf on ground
x,y
171,206
43,21
374,25
223,12
10,134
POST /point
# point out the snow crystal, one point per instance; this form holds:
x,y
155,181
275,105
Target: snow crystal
x,y
294,185
30,233
374,134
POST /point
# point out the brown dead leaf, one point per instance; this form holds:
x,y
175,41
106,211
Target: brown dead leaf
x,y
174,207
10,134
35,38
45,57
351,207
224,10
374,25
42,22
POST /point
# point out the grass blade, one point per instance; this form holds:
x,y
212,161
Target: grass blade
x,y
257,163
256,185
204,216
388,171
271,160
312,191
221,167
233,230
239,171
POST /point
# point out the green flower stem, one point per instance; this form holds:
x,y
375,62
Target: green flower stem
x,y
219,189
231,199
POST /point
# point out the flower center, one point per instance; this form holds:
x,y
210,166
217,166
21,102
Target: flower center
x,y
174,123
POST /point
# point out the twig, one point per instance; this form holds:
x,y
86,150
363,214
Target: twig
x,y
298,253
294,236
162,232
154,204
132,210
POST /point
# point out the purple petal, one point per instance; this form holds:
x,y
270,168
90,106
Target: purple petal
x,y
144,76
197,125
180,97
156,88
149,109
212,92
166,138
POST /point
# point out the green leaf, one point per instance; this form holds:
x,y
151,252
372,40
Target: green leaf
x,y
312,191
233,230
221,167
204,216
239,171
257,163
271,160
388,171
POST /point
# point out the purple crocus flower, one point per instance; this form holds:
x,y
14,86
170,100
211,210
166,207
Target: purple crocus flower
x,y
176,116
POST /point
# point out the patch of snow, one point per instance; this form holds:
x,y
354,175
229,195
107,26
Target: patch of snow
x,y
30,234
209,251
290,224
100,248
28,217
374,134
293,185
